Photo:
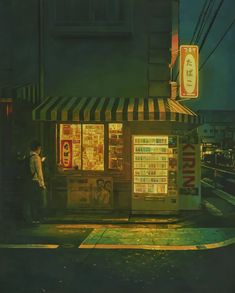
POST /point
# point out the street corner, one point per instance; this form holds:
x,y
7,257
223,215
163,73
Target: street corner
x,y
160,239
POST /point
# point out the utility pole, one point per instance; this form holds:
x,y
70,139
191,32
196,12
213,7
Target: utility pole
x,y
41,49
41,67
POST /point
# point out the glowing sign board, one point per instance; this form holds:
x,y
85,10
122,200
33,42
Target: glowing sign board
x,y
188,71
66,153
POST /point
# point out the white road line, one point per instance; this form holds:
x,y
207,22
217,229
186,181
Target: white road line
x,y
220,170
29,246
212,209
222,194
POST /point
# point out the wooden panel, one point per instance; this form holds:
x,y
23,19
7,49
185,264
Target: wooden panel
x,y
159,56
122,191
159,89
160,24
124,200
160,8
159,72
160,40
58,199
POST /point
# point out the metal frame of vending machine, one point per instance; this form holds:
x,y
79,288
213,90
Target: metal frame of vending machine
x,y
155,174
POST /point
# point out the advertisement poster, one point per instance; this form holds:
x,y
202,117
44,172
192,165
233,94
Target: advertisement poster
x,y
89,192
66,153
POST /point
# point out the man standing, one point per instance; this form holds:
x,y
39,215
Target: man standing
x,y
37,182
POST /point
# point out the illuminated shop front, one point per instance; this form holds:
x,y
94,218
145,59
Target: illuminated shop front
x,y
132,154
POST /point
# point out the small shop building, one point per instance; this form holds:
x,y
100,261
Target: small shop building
x,y
101,77
139,155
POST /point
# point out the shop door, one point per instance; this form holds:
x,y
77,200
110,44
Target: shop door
x,y
154,174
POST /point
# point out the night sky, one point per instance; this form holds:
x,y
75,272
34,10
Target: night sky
x,y
217,77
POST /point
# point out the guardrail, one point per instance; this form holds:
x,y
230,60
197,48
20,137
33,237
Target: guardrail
x,y
219,178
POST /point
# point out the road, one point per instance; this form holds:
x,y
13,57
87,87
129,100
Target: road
x,y
76,270
67,268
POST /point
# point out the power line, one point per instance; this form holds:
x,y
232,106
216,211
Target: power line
x,y
217,45
203,19
206,17
210,25
198,21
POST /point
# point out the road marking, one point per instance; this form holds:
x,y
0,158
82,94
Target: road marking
x,y
220,170
212,209
207,246
222,194
29,246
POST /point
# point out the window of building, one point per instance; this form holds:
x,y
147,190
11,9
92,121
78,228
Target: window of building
x,y
93,147
90,10
205,130
96,16
115,146
81,147
70,146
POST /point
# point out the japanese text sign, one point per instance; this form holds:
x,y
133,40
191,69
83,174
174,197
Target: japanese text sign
x,y
188,71
66,153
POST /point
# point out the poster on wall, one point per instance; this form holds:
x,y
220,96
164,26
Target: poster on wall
x,y
66,153
70,133
90,192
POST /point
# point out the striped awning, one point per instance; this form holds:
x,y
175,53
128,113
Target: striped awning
x,y
95,109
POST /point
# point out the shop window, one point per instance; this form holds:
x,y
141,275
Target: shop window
x,y
115,146
70,146
93,147
82,147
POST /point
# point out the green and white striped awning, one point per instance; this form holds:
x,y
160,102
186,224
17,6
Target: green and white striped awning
x,y
95,109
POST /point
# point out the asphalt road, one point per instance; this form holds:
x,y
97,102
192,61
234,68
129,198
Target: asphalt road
x,y
83,271
72,270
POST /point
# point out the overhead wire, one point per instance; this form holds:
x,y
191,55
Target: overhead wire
x,y
210,25
217,45
203,10
206,17
206,10
199,21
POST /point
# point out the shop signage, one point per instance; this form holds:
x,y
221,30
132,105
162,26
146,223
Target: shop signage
x,y
189,169
66,153
188,71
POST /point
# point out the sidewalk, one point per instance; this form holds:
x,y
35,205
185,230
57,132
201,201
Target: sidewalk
x,y
121,236
159,239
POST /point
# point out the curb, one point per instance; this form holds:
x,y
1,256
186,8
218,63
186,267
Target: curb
x,y
208,246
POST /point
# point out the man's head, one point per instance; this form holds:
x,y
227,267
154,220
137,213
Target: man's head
x,y
35,146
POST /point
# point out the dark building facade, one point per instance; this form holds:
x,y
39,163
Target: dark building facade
x,y
99,74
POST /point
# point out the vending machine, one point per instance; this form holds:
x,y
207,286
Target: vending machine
x,y
154,174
